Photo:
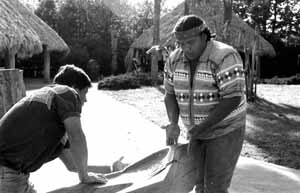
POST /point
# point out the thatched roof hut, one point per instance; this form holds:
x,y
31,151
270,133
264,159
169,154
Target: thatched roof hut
x,y
16,34
47,35
24,34
241,36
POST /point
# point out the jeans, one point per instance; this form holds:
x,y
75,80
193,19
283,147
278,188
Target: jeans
x,y
12,181
215,160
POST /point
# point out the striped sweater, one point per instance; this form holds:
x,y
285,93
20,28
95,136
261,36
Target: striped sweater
x,y
219,74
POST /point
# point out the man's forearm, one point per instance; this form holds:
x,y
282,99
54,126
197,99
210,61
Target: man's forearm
x,y
172,108
79,153
222,110
67,158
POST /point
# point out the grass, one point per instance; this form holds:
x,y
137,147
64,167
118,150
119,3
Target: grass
x,y
273,120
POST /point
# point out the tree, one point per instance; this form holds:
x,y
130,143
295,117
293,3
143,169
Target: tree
x,y
274,17
86,25
47,11
143,18
288,23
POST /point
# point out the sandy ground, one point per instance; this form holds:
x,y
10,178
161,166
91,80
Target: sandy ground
x,y
114,129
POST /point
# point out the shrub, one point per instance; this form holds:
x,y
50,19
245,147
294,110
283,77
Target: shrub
x,y
295,79
127,81
284,81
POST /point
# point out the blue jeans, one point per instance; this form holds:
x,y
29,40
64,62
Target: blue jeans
x,y
215,160
12,181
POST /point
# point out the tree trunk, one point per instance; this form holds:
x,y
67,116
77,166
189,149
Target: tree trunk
x,y
154,59
227,11
227,18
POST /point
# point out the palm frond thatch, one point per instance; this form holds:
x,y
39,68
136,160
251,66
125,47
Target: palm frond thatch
x,y
241,36
16,34
24,33
47,35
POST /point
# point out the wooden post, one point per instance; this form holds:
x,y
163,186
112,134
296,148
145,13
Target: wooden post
x,y
257,62
298,63
156,23
6,60
114,48
247,74
247,65
46,64
12,88
255,65
186,7
253,73
10,59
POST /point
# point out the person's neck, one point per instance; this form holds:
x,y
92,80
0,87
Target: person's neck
x,y
193,61
201,51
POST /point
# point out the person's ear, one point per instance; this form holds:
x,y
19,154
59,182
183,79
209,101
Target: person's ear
x,y
203,36
77,90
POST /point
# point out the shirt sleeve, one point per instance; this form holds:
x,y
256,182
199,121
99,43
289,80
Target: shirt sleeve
x,y
231,76
168,78
67,104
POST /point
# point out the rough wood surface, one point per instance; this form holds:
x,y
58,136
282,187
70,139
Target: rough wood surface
x,y
172,171
12,88
167,171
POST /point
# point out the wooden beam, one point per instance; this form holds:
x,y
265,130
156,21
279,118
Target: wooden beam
x,y
46,64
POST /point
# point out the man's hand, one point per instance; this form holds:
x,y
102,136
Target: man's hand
x,y
172,134
94,178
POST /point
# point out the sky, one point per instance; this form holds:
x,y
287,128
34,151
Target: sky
x,y
169,3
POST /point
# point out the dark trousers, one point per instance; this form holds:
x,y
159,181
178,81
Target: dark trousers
x,y
215,160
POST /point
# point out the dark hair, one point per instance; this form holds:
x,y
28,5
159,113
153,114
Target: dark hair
x,y
188,22
72,76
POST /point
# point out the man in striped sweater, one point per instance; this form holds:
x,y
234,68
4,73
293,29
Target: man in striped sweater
x,y
204,83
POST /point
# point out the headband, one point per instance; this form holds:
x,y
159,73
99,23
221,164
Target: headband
x,y
190,33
